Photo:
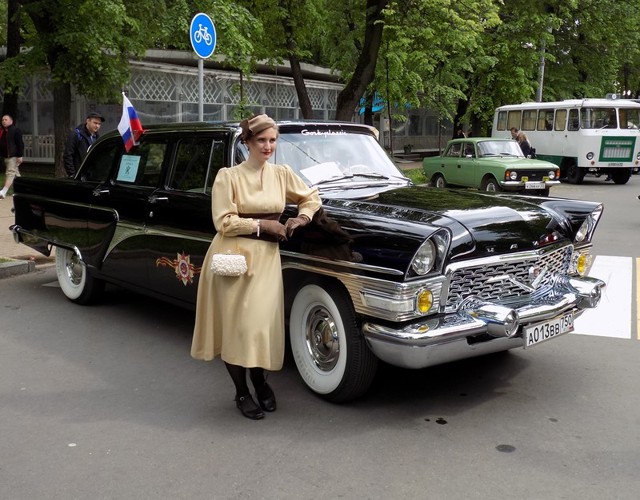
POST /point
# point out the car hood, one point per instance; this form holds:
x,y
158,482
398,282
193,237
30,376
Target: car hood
x,y
482,224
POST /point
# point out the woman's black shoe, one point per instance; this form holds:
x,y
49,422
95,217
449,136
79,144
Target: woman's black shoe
x,y
266,398
248,407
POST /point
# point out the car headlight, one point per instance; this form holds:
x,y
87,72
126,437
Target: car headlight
x,y
589,224
425,258
590,155
638,156
552,174
513,176
583,231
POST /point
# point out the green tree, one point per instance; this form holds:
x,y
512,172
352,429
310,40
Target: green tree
x,y
88,44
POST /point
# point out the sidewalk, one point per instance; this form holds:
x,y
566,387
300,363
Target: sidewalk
x,y
25,258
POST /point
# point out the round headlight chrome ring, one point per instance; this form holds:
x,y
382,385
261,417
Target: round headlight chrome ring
x,y
590,155
513,176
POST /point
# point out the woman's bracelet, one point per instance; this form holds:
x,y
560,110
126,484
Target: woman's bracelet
x,y
258,228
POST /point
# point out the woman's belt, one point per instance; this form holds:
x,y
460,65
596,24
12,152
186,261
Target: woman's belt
x,y
263,236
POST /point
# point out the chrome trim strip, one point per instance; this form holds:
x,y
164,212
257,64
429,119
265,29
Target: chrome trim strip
x,y
343,263
359,285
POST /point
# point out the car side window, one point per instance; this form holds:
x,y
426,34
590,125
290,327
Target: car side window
x,y
469,150
454,150
197,161
100,162
143,165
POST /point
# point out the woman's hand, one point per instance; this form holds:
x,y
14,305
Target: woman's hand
x,y
295,222
274,228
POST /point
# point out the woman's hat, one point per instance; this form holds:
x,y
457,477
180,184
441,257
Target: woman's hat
x,y
256,124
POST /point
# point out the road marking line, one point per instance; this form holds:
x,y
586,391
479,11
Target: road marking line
x,y
612,318
638,298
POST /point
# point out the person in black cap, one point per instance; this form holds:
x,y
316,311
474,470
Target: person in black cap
x,y
79,142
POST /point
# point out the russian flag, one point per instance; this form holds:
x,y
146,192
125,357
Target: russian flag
x,y
129,127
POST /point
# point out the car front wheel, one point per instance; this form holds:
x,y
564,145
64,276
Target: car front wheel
x,y
330,352
490,184
75,282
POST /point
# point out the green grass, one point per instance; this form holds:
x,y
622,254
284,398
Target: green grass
x,y
416,175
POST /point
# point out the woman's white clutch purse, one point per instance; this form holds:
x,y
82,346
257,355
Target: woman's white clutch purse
x,y
228,264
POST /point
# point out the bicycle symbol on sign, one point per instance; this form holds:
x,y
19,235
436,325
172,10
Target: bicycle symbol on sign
x,y
203,35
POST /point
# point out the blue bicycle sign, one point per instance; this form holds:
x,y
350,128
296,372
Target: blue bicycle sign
x,y
203,35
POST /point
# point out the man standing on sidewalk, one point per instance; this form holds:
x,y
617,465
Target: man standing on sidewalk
x,y
11,150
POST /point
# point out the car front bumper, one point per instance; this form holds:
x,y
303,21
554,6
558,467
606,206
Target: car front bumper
x,y
479,328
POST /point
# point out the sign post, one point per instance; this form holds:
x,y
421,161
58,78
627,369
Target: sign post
x,y
203,40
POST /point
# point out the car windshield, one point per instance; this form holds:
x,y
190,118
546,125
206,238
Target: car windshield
x,y
326,158
499,148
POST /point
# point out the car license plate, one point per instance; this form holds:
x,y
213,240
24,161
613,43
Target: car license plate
x,y
534,185
549,329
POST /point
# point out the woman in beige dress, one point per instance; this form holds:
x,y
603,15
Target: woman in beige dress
x,y
242,318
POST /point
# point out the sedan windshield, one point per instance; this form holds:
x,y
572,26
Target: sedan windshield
x,y
499,148
325,158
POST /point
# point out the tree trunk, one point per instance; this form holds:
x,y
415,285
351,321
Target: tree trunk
x,y
301,88
461,109
61,123
10,105
296,71
365,70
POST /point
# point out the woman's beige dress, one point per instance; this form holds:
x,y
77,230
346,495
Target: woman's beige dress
x,y
242,318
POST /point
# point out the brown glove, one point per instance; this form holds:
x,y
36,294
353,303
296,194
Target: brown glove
x,y
274,228
295,222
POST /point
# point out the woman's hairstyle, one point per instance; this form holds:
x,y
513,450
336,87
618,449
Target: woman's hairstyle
x,y
254,125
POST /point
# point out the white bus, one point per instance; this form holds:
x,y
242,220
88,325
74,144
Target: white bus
x,y
598,136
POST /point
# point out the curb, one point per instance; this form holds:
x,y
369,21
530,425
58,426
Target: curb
x,y
16,268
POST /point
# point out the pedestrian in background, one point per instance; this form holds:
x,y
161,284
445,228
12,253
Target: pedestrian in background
x,y
11,150
241,318
514,133
79,142
525,145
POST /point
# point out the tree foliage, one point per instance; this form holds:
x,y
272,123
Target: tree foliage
x,y
459,58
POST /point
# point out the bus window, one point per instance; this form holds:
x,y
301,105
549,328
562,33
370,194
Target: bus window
x,y
514,119
574,120
529,119
598,118
561,120
629,118
545,119
502,120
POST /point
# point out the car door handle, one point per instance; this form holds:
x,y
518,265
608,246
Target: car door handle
x,y
156,199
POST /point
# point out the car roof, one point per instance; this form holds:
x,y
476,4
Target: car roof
x,y
482,139
285,126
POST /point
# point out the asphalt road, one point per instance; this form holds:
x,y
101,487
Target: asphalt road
x,y
105,402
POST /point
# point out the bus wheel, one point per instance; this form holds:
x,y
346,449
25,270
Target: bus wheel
x,y
490,184
438,181
621,175
575,174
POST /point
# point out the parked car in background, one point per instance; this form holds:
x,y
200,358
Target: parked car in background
x,y
412,276
490,164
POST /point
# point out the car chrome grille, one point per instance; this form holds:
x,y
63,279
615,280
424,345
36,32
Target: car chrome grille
x,y
474,279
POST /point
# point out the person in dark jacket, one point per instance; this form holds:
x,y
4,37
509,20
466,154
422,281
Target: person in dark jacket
x,y
11,150
79,142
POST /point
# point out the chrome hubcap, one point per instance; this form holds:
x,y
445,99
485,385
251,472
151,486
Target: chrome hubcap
x,y
323,344
75,270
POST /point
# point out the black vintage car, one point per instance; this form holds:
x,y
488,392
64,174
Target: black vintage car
x,y
413,276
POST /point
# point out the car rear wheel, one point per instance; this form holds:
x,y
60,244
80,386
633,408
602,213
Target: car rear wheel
x,y
75,282
438,181
330,352
490,184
